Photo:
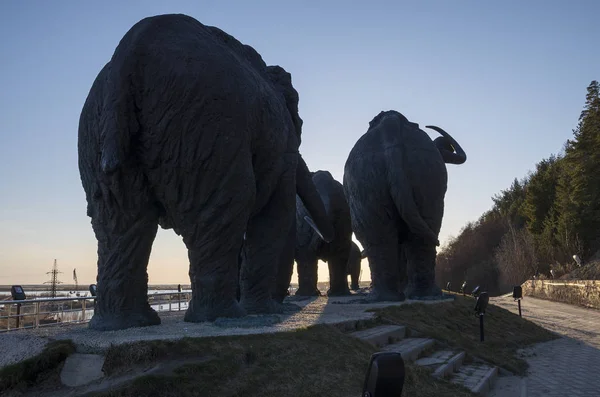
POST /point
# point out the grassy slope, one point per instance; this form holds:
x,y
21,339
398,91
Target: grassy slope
x,y
456,324
318,361
31,371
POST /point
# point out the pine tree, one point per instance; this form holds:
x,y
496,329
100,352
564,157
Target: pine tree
x,y
579,186
508,203
541,194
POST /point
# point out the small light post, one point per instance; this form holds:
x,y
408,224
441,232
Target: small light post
x,y
480,306
179,295
475,291
518,295
448,286
93,291
463,287
385,376
18,295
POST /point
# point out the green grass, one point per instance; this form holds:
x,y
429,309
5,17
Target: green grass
x,y
31,371
318,361
456,324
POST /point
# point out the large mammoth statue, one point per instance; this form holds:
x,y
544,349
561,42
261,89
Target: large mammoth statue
x,y
395,181
188,128
310,247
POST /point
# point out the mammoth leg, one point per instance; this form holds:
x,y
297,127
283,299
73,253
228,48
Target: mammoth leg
x,y
338,278
125,222
421,262
265,243
354,265
420,251
403,270
385,275
213,275
374,222
354,268
286,266
212,223
307,275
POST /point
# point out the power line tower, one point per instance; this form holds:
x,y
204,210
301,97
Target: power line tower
x,y
53,280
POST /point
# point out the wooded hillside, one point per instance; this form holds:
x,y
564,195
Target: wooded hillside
x,y
538,223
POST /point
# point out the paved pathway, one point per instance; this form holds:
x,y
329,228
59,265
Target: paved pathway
x,y
569,366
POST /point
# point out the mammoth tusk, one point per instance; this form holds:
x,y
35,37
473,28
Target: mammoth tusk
x,y
458,156
309,220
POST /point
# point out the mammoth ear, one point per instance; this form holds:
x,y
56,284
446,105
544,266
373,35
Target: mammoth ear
x,y
283,81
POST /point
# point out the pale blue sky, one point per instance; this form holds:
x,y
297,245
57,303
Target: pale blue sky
x,y
507,79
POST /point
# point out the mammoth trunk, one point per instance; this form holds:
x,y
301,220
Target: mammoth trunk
x,y
312,201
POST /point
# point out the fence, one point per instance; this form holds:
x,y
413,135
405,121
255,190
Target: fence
x,y
576,292
46,312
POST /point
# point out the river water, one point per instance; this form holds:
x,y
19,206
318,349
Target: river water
x,y
72,294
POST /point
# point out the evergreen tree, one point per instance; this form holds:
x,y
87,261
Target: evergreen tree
x,y
579,186
510,201
541,194
538,221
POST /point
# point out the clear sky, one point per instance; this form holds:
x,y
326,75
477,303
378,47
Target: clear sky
x,y
507,79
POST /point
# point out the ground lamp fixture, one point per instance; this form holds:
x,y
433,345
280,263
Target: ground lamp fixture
x,y
463,287
93,289
475,292
518,295
18,295
385,376
448,285
179,295
480,306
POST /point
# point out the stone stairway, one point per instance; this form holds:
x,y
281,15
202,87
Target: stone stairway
x,y
445,363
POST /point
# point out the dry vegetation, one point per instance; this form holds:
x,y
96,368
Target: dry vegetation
x,y
32,371
590,271
319,360
456,324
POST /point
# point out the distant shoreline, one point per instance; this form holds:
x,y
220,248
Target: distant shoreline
x,y
81,287
84,287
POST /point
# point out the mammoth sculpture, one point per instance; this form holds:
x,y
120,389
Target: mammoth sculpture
x,y
395,180
310,247
187,128
354,266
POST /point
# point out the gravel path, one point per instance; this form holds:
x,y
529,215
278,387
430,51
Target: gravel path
x,y
18,346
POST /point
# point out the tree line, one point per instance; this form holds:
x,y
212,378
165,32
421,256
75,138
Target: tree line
x,y
540,222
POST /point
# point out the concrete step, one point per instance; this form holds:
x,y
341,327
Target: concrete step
x,y
81,369
443,362
450,367
381,335
477,377
410,348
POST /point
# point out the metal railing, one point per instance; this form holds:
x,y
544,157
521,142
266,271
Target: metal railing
x,y
46,312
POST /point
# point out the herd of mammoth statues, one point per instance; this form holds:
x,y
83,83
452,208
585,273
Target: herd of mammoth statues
x,y
187,128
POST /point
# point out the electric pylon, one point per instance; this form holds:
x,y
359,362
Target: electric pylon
x,y
53,280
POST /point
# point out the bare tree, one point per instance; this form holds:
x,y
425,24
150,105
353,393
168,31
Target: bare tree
x,y
516,256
